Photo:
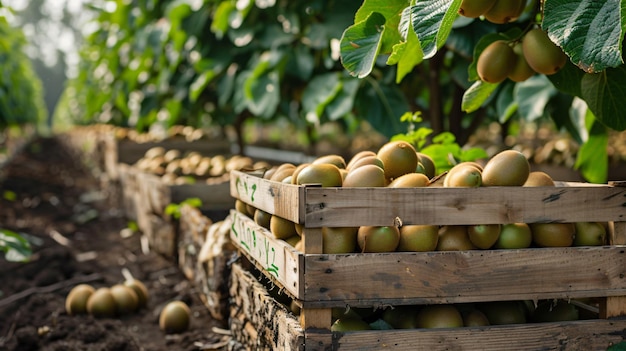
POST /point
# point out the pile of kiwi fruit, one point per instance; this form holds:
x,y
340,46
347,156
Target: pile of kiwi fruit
x,y
124,299
459,315
398,164
107,302
176,167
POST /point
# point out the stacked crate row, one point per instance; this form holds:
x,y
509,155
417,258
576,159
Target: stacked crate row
x,y
318,282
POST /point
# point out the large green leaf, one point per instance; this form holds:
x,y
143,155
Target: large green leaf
x,y
361,43
592,159
589,31
319,93
392,11
343,103
477,95
406,54
532,96
432,22
605,93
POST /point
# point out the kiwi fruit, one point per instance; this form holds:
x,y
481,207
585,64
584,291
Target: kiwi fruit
x,y
336,160
262,218
378,238
521,69
418,238
475,8
365,176
506,168
484,236
505,11
282,228
439,316
140,289
175,317
410,180
126,300
101,304
464,175
427,165
494,62
337,240
504,312
76,300
294,174
541,53
454,238
358,156
553,234
475,318
539,178
367,160
514,236
324,174
282,172
349,324
399,157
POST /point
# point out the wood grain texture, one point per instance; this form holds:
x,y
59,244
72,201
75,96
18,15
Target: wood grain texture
x,y
590,335
464,276
338,207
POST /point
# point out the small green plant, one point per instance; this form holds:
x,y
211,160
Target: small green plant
x,y
14,246
443,148
174,209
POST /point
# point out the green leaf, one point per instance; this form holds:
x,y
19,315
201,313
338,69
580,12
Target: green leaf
x,y
506,106
592,159
618,347
432,21
343,103
589,31
263,93
476,95
532,96
605,94
14,246
360,44
568,80
392,11
318,93
406,54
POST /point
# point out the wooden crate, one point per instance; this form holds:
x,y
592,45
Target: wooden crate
x,y
125,151
320,282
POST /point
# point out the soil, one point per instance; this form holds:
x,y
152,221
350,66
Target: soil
x,y
79,235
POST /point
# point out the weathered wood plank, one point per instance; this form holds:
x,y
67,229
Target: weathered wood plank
x,y
338,207
273,197
274,257
588,335
465,276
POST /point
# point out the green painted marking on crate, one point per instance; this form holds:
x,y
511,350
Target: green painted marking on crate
x,y
253,190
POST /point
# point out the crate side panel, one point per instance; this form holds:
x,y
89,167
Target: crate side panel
x,y
589,335
274,257
284,200
257,320
338,207
465,276
213,196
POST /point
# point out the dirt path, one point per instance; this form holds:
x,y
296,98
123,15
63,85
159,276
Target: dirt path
x,y
77,233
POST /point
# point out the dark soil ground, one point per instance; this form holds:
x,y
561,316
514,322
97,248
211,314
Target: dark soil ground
x,y
75,229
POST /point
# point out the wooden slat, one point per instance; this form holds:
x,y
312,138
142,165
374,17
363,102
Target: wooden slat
x,y
588,335
339,207
274,257
464,276
273,197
